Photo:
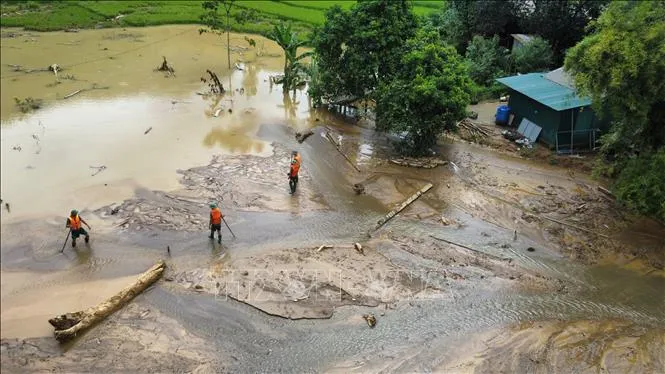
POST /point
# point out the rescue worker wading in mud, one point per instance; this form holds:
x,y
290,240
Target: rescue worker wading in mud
x,y
74,225
293,172
215,222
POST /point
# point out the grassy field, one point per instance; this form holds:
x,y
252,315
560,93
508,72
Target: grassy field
x,y
60,15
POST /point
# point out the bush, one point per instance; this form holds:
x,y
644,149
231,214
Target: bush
x,y
486,60
641,184
533,57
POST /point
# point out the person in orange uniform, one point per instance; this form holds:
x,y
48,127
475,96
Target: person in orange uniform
x,y
296,161
215,222
74,225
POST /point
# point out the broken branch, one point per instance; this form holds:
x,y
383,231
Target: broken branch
x,y
402,206
329,137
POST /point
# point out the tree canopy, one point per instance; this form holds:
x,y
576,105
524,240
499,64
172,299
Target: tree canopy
x,y
534,56
621,65
358,48
486,59
429,93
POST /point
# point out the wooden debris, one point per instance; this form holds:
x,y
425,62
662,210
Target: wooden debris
x,y
331,140
476,131
425,163
68,326
445,221
72,94
371,320
99,169
471,249
147,131
359,248
324,247
574,226
300,137
606,192
401,207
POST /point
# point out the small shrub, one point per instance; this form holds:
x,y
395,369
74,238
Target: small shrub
x,y
28,104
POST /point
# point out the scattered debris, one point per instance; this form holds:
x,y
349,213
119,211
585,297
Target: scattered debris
x,y
531,249
301,136
445,221
359,188
147,131
473,115
425,163
401,207
94,86
99,169
371,320
17,148
471,249
7,207
115,210
473,129
68,326
219,110
606,192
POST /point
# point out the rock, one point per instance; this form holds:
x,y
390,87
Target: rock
x,y
245,273
198,287
531,249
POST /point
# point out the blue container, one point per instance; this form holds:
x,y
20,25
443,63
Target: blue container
x,y
502,115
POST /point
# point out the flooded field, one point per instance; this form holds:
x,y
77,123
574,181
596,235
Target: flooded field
x,y
502,258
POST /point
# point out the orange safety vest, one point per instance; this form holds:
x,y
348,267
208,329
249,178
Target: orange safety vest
x,y
74,223
295,165
216,216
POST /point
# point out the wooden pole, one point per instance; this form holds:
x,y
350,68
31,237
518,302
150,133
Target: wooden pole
x,y
330,139
68,326
402,206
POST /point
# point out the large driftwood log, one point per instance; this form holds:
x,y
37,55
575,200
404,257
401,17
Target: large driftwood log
x,y
403,205
331,140
67,326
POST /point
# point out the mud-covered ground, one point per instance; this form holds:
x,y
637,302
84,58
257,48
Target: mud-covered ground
x,y
505,265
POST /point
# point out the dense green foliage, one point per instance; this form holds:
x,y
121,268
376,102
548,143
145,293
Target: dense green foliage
x,y
561,23
429,93
641,184
289,40
358,48
486,60
621,66
534,56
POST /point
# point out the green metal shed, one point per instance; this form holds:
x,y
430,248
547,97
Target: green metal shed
x,y
550,101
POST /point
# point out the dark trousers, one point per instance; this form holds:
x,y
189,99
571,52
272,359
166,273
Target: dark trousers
x,y
216,227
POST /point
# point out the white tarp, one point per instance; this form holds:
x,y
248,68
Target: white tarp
x,y
529,129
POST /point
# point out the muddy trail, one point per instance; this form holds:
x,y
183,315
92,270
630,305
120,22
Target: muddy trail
x,y
505,264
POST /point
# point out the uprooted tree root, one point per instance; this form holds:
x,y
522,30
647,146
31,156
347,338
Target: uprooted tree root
x,y
166,68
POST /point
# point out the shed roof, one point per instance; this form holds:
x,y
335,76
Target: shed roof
x,y
545,91
522,38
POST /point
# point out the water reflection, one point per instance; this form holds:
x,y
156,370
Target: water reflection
x,y
231,140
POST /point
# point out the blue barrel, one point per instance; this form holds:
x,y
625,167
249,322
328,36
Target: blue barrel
x,y
502,115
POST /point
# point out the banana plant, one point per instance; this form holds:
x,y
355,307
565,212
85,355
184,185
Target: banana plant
x,y
289,41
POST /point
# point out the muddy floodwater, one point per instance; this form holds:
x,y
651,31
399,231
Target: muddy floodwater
x,y
504,265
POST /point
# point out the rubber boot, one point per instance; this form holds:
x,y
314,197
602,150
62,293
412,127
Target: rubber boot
x,y
73,243
87,238
219,239
212,234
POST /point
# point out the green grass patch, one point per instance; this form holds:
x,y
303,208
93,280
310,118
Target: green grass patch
x,y
433,4
60,15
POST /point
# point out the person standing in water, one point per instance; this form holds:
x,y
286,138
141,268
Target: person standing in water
x,y
74,225
296,161
215,222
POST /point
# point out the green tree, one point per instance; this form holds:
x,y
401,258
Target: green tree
x,y
213,19
357,49
641,184
621,65
460,20
429,93
486,60
289,41
536,55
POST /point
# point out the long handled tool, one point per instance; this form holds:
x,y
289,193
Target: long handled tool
x,y
227,226
69,232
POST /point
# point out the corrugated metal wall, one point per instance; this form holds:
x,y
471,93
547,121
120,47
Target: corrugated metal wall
x,y
524,107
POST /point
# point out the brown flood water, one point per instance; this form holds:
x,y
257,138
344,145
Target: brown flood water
x,y
61,142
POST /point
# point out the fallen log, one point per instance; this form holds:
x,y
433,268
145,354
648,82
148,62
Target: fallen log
x,y
401,207
330,139
574,226
471,249
67,326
